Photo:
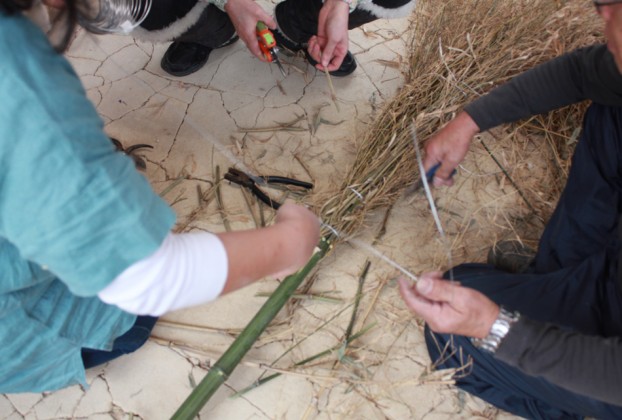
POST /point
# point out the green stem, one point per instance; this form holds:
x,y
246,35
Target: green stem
x,y
221,370
357,299
308,296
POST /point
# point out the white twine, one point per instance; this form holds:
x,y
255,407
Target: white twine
x,y
375,252
358,194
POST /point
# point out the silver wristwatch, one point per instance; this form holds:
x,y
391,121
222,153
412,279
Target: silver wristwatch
x,y
498,331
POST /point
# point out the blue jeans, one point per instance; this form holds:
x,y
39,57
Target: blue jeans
x,y
573,281
129,342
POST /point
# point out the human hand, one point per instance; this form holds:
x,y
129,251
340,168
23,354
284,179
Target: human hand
x,y
244,15
448,307
301,228
57,4
448,147
330,45
275,251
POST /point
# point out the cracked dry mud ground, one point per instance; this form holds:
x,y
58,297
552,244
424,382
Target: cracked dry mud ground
x,y
225,115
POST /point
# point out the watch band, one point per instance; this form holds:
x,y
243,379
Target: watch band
x,y
498,331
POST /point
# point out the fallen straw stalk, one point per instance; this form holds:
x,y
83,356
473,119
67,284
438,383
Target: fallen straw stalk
x,y
221,370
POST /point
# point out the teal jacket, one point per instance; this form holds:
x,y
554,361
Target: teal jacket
x,y
73,215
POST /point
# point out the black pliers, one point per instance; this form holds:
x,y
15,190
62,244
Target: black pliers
x,y
252,183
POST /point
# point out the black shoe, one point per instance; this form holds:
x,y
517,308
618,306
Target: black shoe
x,y
511,256
347,66
184,58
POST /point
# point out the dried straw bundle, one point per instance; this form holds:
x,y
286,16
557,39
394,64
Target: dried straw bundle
x,y
460,50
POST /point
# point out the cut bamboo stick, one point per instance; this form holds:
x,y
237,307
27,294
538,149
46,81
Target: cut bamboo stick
x,y
221,370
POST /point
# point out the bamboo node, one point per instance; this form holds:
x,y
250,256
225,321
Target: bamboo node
x,y
220,372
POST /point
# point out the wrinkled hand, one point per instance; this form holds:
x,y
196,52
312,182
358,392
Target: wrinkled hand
x,y
448,307
449,146
302,229
330,45
245,14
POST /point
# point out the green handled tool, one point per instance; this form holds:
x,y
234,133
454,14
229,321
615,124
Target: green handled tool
x,y
267,44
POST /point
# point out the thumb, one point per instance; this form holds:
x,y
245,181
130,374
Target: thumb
x,y
406,289
327,53
446,172
268,20
434,289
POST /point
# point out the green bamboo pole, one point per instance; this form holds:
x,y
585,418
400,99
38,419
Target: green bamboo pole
x,y
221,370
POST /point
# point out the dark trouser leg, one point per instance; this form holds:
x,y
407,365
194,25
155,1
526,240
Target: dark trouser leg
x,y
581,298
586,218
511,390
129,342
195,29
165,12
212,29
298,19
575,283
